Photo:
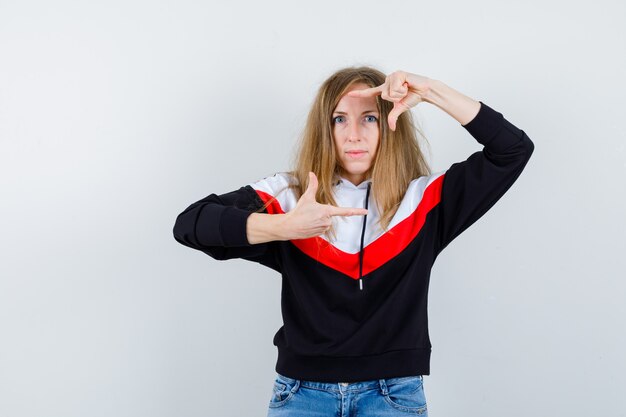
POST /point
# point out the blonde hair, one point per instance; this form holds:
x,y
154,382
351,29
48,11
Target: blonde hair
x,y
398,158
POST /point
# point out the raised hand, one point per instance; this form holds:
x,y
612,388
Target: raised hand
x,y
403,89
310,218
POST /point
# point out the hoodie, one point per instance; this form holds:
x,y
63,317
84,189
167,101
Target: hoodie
x,y
355,308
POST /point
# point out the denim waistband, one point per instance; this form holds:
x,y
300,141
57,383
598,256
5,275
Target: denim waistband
x,y
350,386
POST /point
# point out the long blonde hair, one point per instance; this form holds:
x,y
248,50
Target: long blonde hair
x,y
398,159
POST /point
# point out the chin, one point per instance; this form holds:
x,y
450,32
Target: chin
x,y
356,168
357,171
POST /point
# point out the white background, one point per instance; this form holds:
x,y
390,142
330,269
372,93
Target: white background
x,y
114,117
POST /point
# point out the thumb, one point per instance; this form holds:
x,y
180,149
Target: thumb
x,y
311,189
398,108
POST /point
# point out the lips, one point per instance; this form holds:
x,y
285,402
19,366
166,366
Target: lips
x,y
355,153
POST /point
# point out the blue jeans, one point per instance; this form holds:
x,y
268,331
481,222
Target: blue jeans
x,y
390,397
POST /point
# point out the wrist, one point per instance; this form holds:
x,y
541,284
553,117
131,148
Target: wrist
x,y
461,107
280,226
264,227
436,93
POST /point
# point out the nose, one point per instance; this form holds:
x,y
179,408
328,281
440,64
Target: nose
x,y
354,132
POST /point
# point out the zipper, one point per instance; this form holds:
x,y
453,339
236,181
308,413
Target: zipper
x,y
367,195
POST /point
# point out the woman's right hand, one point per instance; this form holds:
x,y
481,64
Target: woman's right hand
x,y
403,89
310,218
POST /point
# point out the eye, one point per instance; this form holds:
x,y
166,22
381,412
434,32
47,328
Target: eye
x,y
371,118
338,119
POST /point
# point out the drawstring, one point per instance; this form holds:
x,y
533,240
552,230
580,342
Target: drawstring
x,y
367,195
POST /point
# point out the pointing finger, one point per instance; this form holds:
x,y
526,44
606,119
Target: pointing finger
x,y
366,92
347,211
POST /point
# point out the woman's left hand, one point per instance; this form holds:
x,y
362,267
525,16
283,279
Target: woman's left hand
x,y
403,89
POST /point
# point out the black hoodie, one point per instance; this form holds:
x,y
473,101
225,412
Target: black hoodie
x,y
355,308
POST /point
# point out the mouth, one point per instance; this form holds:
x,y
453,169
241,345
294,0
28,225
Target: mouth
x,y
355,154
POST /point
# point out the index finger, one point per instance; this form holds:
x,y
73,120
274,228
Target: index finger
x,y
347,211
366,92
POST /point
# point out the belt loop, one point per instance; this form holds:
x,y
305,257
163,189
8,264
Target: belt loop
x,y
383,386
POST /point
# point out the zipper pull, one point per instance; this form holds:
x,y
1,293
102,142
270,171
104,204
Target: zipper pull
x,y
360,283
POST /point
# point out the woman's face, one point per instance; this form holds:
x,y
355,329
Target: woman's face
x,y
356,134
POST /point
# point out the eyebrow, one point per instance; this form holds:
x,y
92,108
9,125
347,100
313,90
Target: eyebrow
x,y
366,111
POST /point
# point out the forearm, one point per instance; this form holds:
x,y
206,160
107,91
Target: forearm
x,y
261,228
458,105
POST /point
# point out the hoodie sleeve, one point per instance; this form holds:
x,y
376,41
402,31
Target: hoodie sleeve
x,y
471,187
216,225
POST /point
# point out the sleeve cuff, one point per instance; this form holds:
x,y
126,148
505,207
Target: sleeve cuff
x,y
488,128
233,223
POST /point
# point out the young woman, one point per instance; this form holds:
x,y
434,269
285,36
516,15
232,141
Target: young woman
x,y
354,230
